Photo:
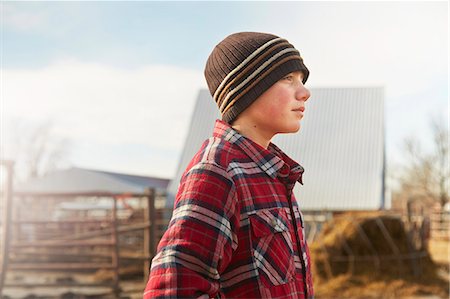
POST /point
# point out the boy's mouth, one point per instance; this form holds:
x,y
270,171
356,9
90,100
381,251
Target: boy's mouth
x,y
302,109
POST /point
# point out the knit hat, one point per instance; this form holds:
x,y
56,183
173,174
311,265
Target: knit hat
x,y
244,65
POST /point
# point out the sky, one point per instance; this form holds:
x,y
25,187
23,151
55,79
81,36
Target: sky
x,y
119,80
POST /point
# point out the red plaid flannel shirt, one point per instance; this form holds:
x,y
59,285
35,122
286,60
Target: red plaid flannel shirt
x,y
236,229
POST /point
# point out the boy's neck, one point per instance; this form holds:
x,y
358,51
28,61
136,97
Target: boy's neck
x,y
254,133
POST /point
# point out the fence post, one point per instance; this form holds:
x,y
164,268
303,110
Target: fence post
x,y
149,232
115,252
7,207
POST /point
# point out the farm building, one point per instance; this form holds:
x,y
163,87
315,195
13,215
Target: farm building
x,y
79,180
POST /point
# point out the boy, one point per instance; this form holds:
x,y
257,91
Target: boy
x,y
236,229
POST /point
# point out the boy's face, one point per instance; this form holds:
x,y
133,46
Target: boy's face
x,y
280,108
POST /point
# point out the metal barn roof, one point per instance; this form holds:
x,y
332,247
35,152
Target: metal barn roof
x,y
340,145
84,181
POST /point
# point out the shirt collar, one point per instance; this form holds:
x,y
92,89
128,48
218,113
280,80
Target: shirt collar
x,y
272,160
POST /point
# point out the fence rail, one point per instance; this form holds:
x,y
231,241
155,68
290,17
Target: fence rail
x,y
440,225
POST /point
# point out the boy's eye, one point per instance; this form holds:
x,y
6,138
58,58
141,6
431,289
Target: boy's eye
x,y
289,77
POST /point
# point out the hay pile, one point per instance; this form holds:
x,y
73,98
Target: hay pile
x,y
365,277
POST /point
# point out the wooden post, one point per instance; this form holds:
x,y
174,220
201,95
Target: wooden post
x,y
7,207
115,252
16,230
150,232
409,210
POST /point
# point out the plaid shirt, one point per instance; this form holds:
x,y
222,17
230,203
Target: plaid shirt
x,y
236,229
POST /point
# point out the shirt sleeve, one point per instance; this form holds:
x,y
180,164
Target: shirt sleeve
x,y
200,239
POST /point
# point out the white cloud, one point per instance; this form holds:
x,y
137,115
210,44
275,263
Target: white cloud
x,y
108,107
23,20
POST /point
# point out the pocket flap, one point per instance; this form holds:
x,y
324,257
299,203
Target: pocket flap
x,y
267,222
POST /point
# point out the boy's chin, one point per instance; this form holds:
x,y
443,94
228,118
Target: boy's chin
x,y
293,129
296,128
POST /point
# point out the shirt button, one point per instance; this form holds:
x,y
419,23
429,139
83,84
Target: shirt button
x,y
274,222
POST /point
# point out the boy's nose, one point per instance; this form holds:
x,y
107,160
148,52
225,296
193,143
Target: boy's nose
x,y
303,93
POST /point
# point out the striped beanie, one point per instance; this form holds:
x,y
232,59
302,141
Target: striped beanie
x,y
244,65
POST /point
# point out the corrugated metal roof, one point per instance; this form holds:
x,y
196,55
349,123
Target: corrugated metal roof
x,y
340,145
79,180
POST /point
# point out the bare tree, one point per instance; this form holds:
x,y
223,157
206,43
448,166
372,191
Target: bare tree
x,y
441,159
36,149
427,174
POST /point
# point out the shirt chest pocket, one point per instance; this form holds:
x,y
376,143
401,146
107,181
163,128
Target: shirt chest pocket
x,y
272,247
